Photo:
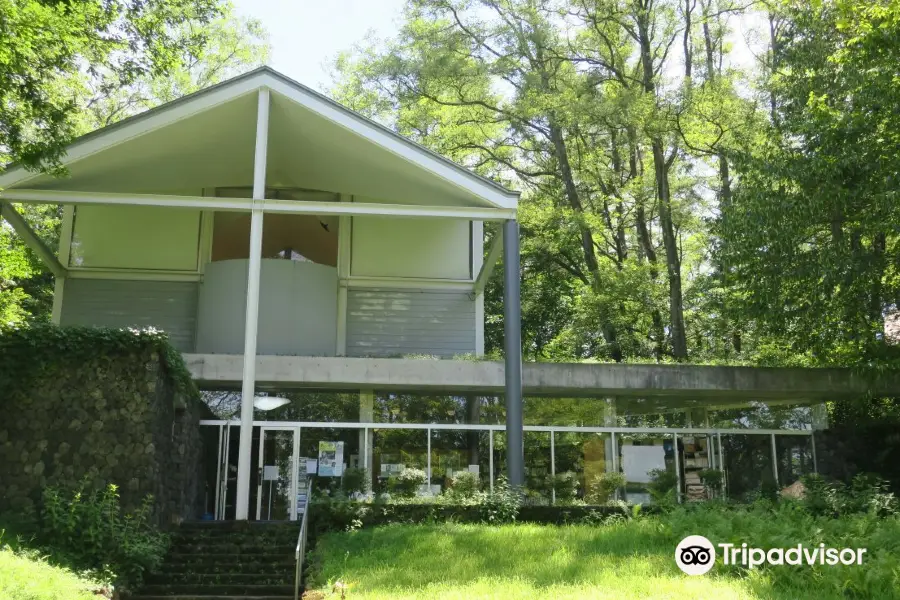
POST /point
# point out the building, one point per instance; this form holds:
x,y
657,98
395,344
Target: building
x,y
257,219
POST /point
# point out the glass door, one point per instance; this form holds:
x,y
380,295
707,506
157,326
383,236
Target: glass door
x,y
226,471
276,495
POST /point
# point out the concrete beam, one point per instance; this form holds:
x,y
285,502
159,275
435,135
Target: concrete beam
x,y
31,239
562,379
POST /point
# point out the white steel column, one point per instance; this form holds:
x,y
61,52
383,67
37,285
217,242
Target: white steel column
x,y
774,461
65,246
677,468
552,467
345,225
429,461
295,473
248,386
491,458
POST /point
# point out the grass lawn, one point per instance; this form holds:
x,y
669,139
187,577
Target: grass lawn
x,y
622,561
25,576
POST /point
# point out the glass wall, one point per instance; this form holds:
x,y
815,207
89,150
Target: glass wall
x,y
565,455
582,457
641,457
762,415
394,450
795,458
453,451
310,438
748,466
538,472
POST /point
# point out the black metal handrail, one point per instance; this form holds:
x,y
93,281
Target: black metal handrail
x,y
300,550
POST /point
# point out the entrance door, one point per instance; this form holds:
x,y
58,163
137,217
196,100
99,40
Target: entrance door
x,y
276,497
226,471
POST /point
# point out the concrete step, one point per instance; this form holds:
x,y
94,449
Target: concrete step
x,y
277,564
239,590
244,578
227,547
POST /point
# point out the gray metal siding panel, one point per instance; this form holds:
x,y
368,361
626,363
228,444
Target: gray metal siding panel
x,y
397,322
167,305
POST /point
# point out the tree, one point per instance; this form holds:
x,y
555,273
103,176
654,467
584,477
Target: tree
x,y
810,239
43,43
80,87
233,45
571,100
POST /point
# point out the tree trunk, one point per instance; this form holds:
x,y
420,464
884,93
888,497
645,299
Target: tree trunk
x,y
587,239
673,259
661,168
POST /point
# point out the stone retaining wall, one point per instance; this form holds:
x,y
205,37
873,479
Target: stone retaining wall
x,y
112,419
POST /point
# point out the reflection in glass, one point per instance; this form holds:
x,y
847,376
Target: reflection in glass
x,y
795,458
394,450
309,450
761,415
538,482
277,468
748,466
453,451
585,455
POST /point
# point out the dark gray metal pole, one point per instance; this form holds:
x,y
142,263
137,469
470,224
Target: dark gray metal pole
x,y
512,329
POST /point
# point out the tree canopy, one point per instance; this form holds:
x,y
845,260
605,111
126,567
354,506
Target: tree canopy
x,y
679,203
67,68
688,195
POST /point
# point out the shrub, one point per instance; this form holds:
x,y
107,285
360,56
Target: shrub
x,y
662,486
464,484
602,487
501,505
355,480
712,479
408,482
87,529
865,494
565,485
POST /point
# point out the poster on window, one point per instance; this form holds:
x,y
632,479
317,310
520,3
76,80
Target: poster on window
x,y
331,459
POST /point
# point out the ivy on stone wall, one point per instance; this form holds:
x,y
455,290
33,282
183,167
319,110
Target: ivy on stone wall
x,y
26,351
104,406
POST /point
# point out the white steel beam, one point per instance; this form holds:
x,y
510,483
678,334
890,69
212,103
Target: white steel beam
x,y
270,205
31,239
487,267
248,383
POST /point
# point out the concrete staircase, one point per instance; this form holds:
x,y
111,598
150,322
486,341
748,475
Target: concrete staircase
x,y
226,560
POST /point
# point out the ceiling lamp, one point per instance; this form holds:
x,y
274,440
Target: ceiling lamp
x,y
269,402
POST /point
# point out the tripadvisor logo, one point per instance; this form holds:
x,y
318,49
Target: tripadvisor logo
x,y
696,555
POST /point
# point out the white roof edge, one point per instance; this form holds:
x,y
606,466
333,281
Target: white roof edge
x,y
171,112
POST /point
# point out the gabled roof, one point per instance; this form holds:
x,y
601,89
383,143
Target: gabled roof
x,y
318,134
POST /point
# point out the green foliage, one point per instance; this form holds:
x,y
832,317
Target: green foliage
x,y
813,229
42,43
712,479
785,524
501,505
33,352
865,494
28,575
622,558
464,484
662,486
87,529
407,483
601,488
355,480
104,61
565,485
